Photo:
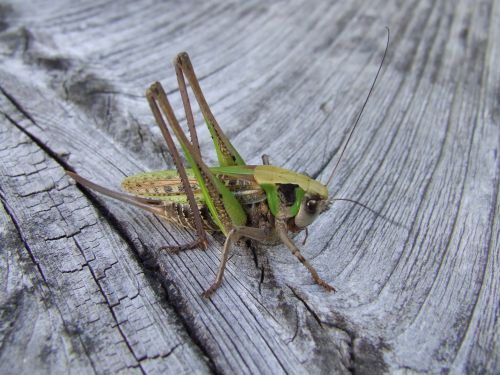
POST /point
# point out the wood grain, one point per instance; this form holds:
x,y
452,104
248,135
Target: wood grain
x,y
84,288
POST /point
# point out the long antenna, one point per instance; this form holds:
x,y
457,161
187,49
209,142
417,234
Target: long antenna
x,y
362,109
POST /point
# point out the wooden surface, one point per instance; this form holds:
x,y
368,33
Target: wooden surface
x,y
85,290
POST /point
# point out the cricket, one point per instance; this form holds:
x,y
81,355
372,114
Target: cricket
x,y
263,203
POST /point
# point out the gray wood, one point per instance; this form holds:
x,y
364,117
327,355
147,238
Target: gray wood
x,y
84,288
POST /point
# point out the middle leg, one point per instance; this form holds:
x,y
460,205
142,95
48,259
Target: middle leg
x,y
261,235
282,233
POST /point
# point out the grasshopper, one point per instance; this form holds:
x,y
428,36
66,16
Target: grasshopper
x,y
258,202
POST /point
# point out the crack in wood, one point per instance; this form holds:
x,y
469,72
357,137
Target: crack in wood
x,y
18,106
47,300
109,217
306,305
18,227
113,313
174,299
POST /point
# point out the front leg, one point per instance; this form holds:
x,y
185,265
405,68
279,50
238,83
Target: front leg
x,y
265,159
281,229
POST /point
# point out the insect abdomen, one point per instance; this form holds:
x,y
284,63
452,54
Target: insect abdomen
x,y
158,184
181,214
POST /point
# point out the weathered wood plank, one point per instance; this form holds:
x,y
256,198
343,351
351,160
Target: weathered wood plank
x,y
79,301
86,290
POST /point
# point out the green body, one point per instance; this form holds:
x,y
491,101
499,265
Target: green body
x,y
248,184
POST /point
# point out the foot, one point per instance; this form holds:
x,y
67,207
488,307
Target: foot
x,y
325,285
202,244
208,293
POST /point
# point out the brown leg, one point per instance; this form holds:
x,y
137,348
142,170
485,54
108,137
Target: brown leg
x,y
282,233
151,205
202,241
175,249
305,237
226,153
233,236
183,64
265,159
187,106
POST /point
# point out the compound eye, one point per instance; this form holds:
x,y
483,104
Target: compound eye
x,y
312,206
